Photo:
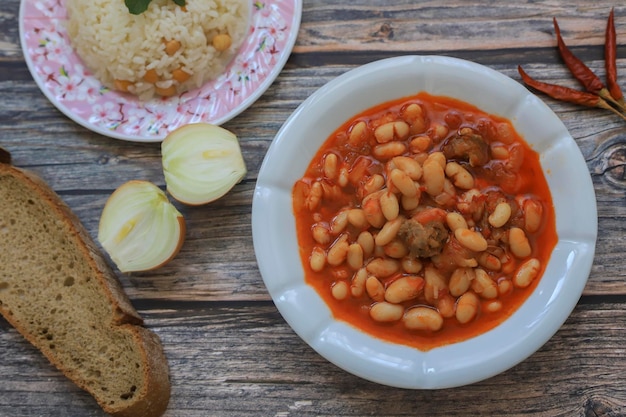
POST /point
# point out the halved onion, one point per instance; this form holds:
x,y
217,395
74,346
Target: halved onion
x,y
201,163
139,228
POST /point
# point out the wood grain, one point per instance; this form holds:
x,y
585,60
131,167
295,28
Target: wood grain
x,y
239,358
230,351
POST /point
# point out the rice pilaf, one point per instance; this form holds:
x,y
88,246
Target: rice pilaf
x,y
163,51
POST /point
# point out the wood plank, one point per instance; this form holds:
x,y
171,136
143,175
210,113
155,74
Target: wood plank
x,y
427,26
235,359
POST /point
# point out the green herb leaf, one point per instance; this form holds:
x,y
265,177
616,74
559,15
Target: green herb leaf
x,y
140,6
137,6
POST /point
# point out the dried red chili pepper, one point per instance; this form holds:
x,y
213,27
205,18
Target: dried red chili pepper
x,y
587,78
561,93
567,94
610,52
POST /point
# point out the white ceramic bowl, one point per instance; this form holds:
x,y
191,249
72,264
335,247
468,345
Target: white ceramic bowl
x,y
481,357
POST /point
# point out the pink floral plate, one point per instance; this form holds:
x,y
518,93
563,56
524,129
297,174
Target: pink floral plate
x,y
65,81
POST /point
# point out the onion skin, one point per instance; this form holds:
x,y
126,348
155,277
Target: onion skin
x,y
201,163
139,228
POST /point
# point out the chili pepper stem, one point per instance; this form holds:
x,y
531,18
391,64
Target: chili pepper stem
x,y
606,95
605,105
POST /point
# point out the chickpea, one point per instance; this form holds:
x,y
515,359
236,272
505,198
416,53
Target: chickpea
x,y
180,75
151,76
172,46
122,85
222,42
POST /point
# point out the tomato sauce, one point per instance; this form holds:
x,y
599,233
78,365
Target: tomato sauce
x,y
512,172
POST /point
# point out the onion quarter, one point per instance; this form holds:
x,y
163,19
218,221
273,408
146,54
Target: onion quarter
x,y
201,163
140,228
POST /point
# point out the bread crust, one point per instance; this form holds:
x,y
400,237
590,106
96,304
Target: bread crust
x,y
153,397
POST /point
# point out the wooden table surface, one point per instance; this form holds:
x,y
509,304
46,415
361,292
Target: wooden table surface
x,y
230,351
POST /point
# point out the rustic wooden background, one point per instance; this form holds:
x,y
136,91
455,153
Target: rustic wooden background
x,y
230,351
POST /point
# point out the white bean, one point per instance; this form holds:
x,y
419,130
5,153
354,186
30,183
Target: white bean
x,y
403,182
446,305
396,249
389,150
342,177
357,218
373,212
331,166
382,267
357,287
467,307
433,177
411,265
422,318
493,306
420,144
518,242
455,221
385,312
505,286
389,205
526,273
533,212
404,289
389,231
489,261
366,240
340,290
501,214
373,184
409,165
483,285
314,198
358,133
460,281
317,261
471,239
338,251
339,222
354,257
410,203
374,288
459,175
321,234
389,131
435,284
384,133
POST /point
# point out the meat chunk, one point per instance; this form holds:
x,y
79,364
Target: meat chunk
x,y
423,240
453,256
467,146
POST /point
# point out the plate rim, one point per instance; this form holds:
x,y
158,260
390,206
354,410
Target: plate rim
x,y
276,70
540,335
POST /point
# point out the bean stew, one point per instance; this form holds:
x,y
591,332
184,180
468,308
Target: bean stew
x,y
424,221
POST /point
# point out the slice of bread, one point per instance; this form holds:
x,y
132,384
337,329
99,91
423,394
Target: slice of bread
x,y
58,291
